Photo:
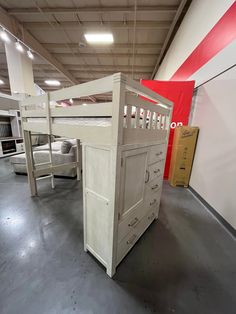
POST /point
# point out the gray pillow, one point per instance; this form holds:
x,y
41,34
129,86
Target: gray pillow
x,y
65,147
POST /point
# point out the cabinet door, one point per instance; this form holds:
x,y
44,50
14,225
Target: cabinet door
x,y
134,165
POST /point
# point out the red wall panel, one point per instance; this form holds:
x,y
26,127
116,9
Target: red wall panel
x,y
181,94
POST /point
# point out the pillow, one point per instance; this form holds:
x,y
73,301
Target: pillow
x,y
65,147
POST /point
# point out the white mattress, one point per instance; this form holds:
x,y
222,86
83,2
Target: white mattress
x,y
98,121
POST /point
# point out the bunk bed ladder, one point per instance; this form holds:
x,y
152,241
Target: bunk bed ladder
x,y
32,166
30,162
49,163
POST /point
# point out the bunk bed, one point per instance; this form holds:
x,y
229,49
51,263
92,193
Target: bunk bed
x,y
124,145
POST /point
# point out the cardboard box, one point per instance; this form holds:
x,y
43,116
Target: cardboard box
x,y
184,144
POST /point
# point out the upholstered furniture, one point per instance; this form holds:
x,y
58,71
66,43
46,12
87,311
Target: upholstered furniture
x,y
62,152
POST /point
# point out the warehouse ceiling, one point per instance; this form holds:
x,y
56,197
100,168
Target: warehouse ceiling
x,y
142,30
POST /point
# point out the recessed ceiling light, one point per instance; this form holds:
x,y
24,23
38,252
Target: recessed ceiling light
x,y
71,100
4,36
99,38
84,104
52,82
1,82
19,46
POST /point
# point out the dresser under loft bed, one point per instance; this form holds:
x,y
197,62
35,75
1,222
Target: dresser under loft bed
x,y
124,143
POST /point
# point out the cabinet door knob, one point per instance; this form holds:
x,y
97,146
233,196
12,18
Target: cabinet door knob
x,y
155,187
131,239
159,154
133,222
153,202
156,171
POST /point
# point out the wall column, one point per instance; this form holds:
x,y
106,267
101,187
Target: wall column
x,y
20,71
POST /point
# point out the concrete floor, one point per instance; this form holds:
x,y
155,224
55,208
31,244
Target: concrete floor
x,y
184,263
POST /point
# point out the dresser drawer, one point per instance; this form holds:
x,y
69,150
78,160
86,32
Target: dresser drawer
x,y
154,185
132,220
153,201
131,238
155,170
156,153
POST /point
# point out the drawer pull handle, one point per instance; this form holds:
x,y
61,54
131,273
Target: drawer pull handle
x,y
159,154
131,240
132,223
151,216
156,171
148,176
153,202
155,187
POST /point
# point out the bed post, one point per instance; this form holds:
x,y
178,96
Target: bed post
x,y
30,163
78,159
50,159
118,102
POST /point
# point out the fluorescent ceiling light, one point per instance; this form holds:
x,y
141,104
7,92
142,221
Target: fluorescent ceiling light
x,y
52,82
30,55
99,38
19,46
4,36
1,82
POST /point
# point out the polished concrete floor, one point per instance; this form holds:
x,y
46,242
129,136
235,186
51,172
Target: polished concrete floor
x,y
185,263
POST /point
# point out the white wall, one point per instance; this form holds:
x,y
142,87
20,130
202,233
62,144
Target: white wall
x,y
214,168
198,21
225,59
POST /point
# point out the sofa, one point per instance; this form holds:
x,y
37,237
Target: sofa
x,y
61,153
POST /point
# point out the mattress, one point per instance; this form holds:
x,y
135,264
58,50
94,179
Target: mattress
x,y
98,121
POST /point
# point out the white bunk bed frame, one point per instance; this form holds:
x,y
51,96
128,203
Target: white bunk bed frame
x,y
133,123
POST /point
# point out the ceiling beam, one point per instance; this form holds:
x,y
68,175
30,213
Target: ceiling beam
x,y
141,68
80,72
92,9
77,73
112,46
98,25
104,55
18,30
81,67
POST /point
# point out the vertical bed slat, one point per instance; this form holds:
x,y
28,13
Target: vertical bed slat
x,y
159,121
137,117
164,122
150,120
128,116
144,118
155,121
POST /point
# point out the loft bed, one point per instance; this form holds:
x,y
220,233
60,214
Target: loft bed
x,y
73,121
135,120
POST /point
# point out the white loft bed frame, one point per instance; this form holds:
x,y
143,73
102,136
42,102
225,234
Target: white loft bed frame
x,y
131,122
150,126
